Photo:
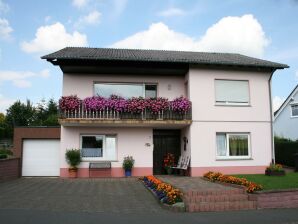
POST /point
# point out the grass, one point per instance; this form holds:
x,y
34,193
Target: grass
x,y
290,180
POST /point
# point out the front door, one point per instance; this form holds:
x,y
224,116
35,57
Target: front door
x,y
165,141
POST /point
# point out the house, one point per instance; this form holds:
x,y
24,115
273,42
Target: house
x,y
228,127
286,117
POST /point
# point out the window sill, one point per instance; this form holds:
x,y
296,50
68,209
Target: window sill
x,y
294,116
232,105
233,159
98,160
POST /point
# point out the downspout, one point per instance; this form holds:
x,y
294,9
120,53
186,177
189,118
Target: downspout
x,y
271,119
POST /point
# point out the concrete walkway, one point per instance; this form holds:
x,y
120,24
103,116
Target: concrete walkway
x,y
113,195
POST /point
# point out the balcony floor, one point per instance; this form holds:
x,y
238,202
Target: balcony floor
x,y
79,122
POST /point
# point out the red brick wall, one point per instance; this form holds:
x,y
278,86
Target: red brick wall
x,y
280,199
9,169
32,133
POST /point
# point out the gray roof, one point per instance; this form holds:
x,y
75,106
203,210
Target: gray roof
x,y
185,57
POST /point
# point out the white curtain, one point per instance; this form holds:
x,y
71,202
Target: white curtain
x,y
234,91
221,144
111,148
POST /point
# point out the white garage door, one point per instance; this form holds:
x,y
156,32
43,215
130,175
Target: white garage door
x,y
41,157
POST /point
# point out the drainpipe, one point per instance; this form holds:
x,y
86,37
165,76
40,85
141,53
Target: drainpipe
x,y
271,119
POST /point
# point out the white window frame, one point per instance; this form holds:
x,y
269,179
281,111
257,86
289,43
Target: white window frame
x,y
128,83
291,105
228,103
103,158
228,157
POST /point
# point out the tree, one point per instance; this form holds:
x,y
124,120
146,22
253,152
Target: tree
x,y
20,114
2,125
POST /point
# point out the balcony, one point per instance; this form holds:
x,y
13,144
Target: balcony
x,y
84,115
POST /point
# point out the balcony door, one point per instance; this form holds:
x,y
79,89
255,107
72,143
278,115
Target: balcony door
x,y
165,141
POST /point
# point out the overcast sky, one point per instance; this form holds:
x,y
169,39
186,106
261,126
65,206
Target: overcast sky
x,y
31,28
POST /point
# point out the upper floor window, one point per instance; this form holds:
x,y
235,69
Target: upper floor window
x,y
294,108
126,90
234,92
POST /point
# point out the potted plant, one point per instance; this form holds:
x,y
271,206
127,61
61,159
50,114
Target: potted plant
x,y
127,165
275,170
73,158
168,161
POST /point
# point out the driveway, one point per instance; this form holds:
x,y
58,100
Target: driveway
x,y
123,195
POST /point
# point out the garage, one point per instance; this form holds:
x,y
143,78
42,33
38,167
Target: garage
x,y
40,157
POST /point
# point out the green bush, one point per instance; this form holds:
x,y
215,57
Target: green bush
x,y
285,150
73,157
6,152
3,156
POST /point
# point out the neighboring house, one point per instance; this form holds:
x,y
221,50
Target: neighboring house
x,y
286,117
229,128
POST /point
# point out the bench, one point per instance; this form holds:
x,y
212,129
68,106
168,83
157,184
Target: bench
x,y
182,165
100,169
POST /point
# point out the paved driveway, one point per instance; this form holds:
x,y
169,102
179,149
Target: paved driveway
x,y
126,195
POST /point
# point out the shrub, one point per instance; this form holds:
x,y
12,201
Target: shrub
x,y
6,152
285,150
128,163
3,156
73,157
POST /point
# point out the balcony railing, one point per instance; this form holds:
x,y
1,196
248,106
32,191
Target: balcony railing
x,y
109,114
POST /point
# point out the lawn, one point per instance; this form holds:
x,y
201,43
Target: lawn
x,y
290,180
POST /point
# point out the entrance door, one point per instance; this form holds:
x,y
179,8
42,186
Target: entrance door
x,y
165,141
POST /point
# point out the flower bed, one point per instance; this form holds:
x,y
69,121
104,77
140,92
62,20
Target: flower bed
x,y
134,105
166,193
216,176
275,170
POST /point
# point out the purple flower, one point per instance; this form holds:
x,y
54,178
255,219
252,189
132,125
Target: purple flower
x,y
70,103
181,105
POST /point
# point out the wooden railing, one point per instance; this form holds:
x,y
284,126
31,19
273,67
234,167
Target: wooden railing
x,y
107,114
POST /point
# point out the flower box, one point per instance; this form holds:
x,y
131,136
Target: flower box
x,y
275,172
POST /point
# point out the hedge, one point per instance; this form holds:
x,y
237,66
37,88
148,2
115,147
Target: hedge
x,y
284,151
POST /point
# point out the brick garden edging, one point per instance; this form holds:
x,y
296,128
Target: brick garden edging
x,y
285,198
9,169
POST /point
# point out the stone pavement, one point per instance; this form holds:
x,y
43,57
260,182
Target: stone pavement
x,y
112,195
185,183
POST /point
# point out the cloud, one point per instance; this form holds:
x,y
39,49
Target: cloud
x,y
92,18
79,3
277,102
5,29
20,78
230,34
53,37
4,7
5,103
172,12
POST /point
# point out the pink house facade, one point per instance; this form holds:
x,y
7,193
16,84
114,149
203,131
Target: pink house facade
x,y
228,128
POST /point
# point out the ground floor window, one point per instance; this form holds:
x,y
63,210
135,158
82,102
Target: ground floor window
x,y
98,147
233,145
